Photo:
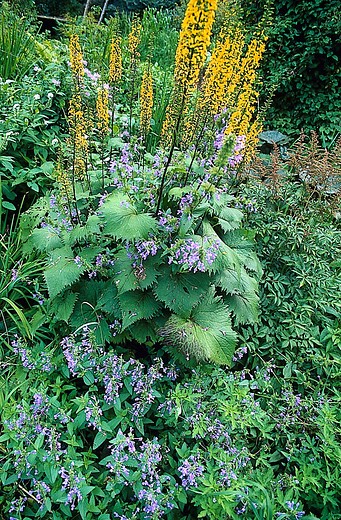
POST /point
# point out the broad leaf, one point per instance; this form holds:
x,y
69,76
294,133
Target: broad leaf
x,y
124,276
181,291
128,278
122,220
206,334
144,332
235,281
63,306
45,239
107,300
230,218
250,260
226,256
244,306
63,272
137,305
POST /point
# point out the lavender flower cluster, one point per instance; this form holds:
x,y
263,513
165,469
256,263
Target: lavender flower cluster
x,y
153,492
192,255
189,470
32,359
140,250
111,371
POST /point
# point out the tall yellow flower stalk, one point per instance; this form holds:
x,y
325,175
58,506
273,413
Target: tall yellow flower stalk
x,y
76,59
102,111
115,73
251,140
244,95
79,142
65,186
190,57
146,102
134,40
219,74
115,63
194,40
133,43
77,120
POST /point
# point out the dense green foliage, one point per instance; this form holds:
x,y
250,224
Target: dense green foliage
x,y
303,61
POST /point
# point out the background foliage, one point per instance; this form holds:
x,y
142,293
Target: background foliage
x,y
303,61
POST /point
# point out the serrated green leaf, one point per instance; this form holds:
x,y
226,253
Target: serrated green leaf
x,y
234,281
107,300
143,332
230,218
226,256
63,273
250,260
180,291
206,334
124,275
137,305
244,306
45,239
123,221
62,306
89,253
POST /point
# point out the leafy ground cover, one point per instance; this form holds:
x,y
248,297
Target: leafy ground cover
x,y
170,299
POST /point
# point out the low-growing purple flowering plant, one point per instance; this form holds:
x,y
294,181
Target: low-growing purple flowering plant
x,y
108,434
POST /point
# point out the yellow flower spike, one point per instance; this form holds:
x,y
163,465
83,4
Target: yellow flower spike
x,y
134,39
242,93
146,102
190,57
194,40
252,140
222,69
78,133
115,65
76,58
102,110
63,180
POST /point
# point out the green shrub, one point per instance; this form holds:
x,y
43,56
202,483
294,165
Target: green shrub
x,y
302,59
32,124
